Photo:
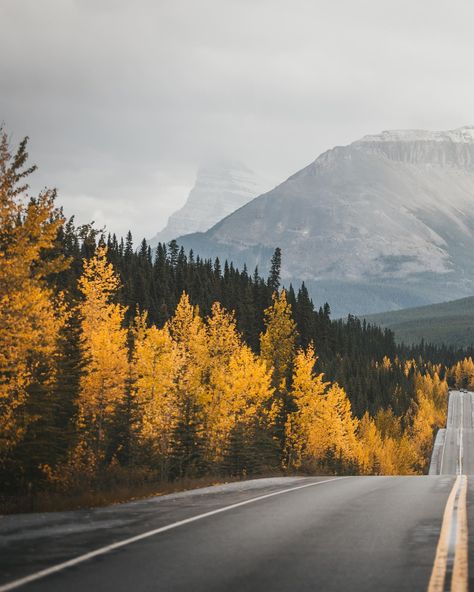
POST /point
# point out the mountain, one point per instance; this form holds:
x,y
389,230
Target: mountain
x,y
451,323
220,188
384,223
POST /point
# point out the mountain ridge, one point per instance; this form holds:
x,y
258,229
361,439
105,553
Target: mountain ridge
x,y
384,220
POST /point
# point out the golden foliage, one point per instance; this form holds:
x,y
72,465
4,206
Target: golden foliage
x,y
30,315
189,334
322,427
277,343
239,387
203,367
428,413
322,423
156,365
384,450
463,373
104,347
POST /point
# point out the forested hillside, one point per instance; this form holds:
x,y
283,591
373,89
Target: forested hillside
x,y
450,323
123,365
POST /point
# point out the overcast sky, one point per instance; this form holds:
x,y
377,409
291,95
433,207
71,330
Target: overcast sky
x,y
124,100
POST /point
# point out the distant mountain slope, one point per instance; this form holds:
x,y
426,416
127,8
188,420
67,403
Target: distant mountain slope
x,y
448,322
384,223
220,189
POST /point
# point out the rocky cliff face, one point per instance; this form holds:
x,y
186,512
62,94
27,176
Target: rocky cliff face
x,y
220,189
384,223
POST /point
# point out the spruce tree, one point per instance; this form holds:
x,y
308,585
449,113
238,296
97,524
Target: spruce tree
x,y
275,271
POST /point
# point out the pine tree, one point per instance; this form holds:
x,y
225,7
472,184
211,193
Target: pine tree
x,y
275,271
304,317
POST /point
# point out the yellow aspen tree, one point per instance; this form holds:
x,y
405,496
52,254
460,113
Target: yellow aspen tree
x,y
470,373
388,424
188,332
436,391
155,367
223,342
104,347
458,374
242,395
464,373
277,349
304,429
342,425
322,423
278,342
428,413
222,336
250,444
371,445
422,430
30,316
248,388
397,455
405,456
384,450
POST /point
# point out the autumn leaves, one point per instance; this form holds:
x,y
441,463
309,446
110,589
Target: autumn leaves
x,y
191,384
200,400
31,316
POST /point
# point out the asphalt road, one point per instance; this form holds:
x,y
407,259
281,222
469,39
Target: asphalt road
x,y
283,534
458,449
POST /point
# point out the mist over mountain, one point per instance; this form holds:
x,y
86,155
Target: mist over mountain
x,y
220,189
384,223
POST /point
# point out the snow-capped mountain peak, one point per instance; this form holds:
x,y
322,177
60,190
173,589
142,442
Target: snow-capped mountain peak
x,y
220,189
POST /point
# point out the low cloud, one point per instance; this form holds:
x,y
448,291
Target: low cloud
x,y
123,100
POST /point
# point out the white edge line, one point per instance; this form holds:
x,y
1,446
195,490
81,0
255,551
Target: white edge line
x,y
442,452
103,550
448,417
460,454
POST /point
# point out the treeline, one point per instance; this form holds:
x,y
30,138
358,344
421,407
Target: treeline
x,y
349,351
123,364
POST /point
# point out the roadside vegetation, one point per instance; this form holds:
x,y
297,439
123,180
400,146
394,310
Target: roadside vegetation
x,y
125,373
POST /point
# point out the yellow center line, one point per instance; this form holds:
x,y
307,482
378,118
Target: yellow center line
x,y
460,570
453,532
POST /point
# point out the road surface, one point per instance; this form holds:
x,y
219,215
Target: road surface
x,y
454,447
281,534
